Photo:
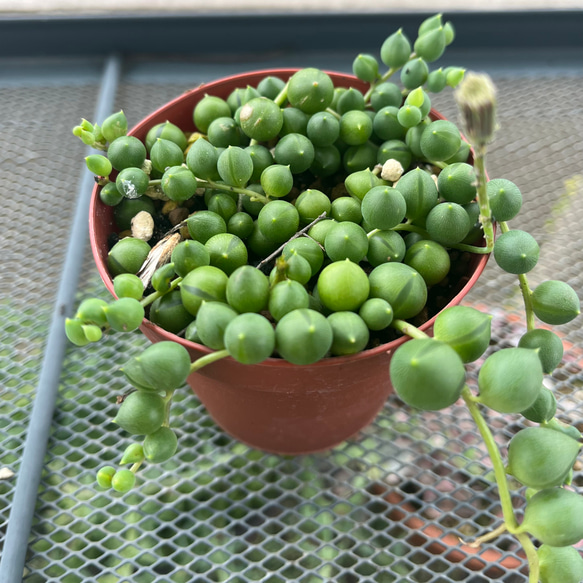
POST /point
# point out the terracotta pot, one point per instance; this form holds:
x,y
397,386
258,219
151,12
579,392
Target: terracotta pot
x,y
275,406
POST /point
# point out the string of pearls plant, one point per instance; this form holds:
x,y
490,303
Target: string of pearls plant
x,y
303,221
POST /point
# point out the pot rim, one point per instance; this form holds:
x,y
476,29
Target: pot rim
x,y
146,122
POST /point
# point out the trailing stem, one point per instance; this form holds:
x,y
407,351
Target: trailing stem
x,y
485,213
408,329
226,188
154,296
385,77
208,359
502,483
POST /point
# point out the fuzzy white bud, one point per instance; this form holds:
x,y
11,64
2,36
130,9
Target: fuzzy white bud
x,y
476,99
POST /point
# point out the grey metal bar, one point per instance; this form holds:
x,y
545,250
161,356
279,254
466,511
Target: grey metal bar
x,y
268,33
21,516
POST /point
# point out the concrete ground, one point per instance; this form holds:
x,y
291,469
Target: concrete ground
x,y
29,7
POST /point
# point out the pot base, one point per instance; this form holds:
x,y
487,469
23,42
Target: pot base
x,y
291,411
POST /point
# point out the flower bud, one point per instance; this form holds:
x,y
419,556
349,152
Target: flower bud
x,y
476,99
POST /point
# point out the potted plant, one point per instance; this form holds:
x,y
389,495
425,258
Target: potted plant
x,y
288,239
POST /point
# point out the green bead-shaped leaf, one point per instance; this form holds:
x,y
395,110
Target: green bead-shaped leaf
x,y
359,183
189,255
277,180
431,44
209,108
141,413
248,289
365,67
250,338
516,251
448,223
235,166
427,374
179,183
555,302
510,380
161,367
133,454
212,319
541,458
98,164
396,50
553,516
310,90
160,445
350,333
125,314
560,564
543,409
343,286
465,329
167,131
126,152
401,286
165,153
201,160
206,283
114,126
419,191
414,73
261,119
75,333
91,311
548,344
383,207
303,336
440,140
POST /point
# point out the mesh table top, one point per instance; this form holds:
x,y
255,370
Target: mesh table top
x,y
387,505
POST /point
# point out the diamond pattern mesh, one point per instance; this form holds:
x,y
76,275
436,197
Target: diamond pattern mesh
x,y
386,506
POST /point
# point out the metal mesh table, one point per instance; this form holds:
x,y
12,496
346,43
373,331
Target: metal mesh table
x,y
387,505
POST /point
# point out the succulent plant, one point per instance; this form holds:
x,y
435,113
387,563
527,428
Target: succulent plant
x,y
317,221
